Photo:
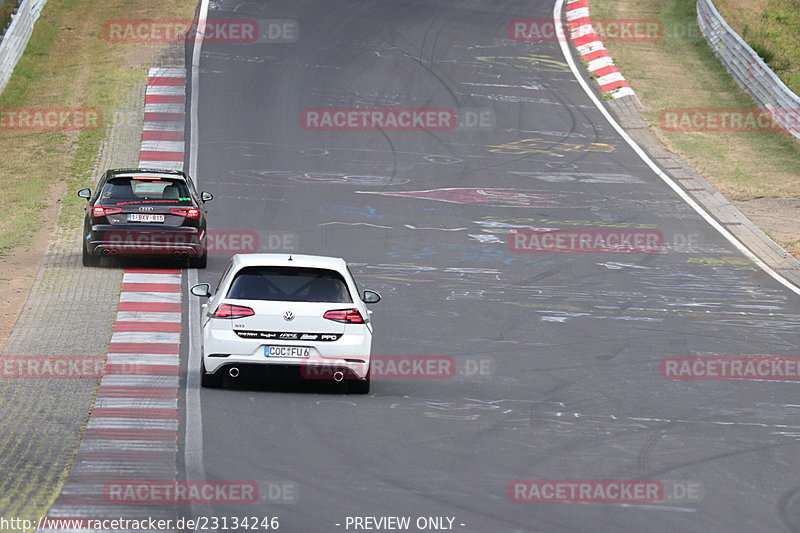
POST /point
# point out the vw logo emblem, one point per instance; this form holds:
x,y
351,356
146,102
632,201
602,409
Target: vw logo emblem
x,y
288,315
145,209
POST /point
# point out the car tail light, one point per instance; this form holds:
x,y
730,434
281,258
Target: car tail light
x,y
232,311
100,211
188,212
345,316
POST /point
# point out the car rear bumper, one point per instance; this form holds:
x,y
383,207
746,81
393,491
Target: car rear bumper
x,y
134,240
349,354
306,371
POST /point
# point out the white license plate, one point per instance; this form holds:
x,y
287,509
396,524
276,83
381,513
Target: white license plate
x,y
137,217
287,351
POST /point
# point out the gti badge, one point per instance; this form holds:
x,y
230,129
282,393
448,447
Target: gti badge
x,y
288,316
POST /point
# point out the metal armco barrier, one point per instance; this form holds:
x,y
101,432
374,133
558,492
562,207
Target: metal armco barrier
x,y
748,69
16,38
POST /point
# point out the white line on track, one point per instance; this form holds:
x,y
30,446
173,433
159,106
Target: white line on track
x,y
409,226
193,437
356,224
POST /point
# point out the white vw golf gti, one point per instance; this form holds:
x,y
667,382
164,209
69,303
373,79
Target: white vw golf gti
x,y
280,311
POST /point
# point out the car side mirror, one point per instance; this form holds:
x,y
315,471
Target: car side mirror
x,y
371,297
85,193
202,290
206,196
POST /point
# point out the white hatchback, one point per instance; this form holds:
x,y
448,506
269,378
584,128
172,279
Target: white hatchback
x,y
289,312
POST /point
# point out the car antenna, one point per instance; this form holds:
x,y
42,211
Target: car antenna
x,y
290,257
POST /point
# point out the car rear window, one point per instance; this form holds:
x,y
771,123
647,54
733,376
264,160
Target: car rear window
x,y
289,284
132,190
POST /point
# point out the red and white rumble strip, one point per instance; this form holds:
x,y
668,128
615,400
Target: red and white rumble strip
x,y
590,46
132,434
133,428
164,117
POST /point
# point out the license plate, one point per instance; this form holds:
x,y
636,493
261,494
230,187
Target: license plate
x,y
138,217
287,351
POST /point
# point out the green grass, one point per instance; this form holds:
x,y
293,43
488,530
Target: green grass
x,y
5,13
771,28
28,194
681,71
68,64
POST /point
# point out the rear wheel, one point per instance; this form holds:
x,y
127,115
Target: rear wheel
x,y
209,381
359,386
199,261
90,260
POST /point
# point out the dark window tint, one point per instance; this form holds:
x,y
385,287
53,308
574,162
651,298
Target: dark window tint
x,y
289,284
227,269
358,291
133,190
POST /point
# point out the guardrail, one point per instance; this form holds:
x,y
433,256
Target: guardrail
x,y
16,38
748,69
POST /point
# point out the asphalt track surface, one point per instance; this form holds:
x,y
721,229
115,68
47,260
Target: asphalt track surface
x,y
571,342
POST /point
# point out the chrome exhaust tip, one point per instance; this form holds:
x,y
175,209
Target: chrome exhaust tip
x,y
233,372
338,376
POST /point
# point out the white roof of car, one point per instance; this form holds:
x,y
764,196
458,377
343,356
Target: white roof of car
x,y
308,261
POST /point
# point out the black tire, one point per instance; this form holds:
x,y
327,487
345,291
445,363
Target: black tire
x,y
209,381
359,386
90,260
200,261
